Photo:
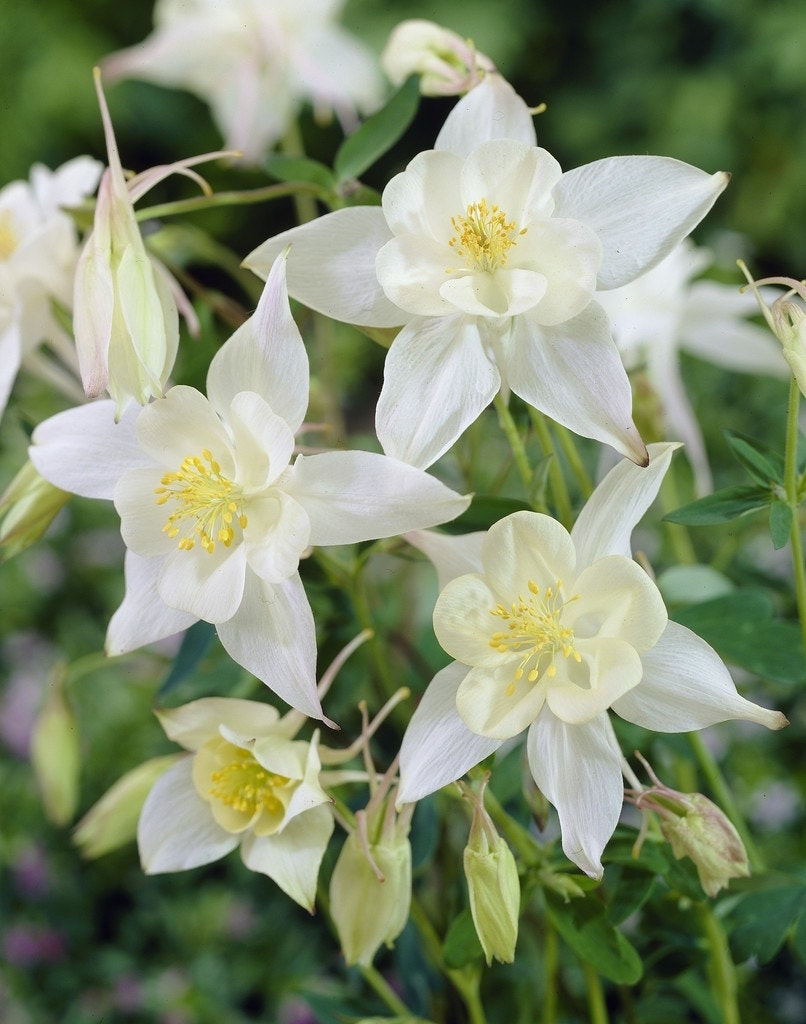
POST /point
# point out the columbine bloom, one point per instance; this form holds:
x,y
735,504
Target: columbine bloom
x,y
38,254
255,63
249,783
447,64
125,318
215,513
665,312
489,256
550,630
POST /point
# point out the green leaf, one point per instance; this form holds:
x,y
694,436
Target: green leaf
x,y
780,524
462,946
299,168
196,643
583,925
721,507
740,626
379,132
483,512
763,919
762,463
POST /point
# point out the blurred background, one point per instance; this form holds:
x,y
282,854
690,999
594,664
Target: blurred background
x,y
718,83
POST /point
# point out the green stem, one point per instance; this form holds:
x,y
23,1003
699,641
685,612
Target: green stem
x,y
465,982
242,198
550,955
596,1001
383,989
559,488
792,497
676,532
515,440
571,453
292,145
721,968
518,836
724,797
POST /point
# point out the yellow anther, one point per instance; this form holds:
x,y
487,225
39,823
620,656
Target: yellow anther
x,y
206,501
484,236
246,786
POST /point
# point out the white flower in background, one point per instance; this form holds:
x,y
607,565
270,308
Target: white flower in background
x,y
249,783
214,512
255,62
125,316
665,312
550,630
38,253
489,257
447,64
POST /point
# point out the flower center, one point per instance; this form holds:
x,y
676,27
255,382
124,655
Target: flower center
x,y
535,631
8,236
208,504
484,236
246,786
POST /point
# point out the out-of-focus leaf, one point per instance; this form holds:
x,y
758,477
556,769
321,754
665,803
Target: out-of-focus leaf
x,y
379,132
762,463
762,920
584,926
780,524
462,946
721,507
298,168
195,644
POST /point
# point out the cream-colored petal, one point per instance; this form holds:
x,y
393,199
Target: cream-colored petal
x,y
579,692
464,621
526,546
493,703
615,597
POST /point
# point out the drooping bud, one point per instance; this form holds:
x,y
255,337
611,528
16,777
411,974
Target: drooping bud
x,y
56,752
493,884
790,326
370,889
448,65
112,821
30,505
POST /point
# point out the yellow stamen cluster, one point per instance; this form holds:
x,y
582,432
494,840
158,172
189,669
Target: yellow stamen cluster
x,y
209,505
534,627
8,236
484,236
246,786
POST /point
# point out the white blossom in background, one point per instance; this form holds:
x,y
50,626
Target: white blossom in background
x,y
38,253
447,64
256,62
551,630
489,257
215,510
666,312
248,783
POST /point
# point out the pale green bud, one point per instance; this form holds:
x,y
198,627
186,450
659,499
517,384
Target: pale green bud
x,y
790,326
112,821
30,505
698,829
495,893
56,753
367,908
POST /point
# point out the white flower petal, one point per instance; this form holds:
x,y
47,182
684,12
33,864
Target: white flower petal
x,y
609,668
272,635
355,496
605,524
421,200
209,585
492,702
193,724
573,372
142,520
438,748
639,206
265,355
412,270
438,379
464,621
687,686
515,176
331,266
615,597
292,858
176,829
526,546
452,555
492,110
277,533
84,451
143,618
263,440
183,424
578,768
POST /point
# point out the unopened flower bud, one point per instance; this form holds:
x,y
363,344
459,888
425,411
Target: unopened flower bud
x,y
790,325
112,821
448,65
370,898
56,753
30,504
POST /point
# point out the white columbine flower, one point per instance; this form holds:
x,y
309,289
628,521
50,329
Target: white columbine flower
x,y
214,512
447,64
38,254
489,257
255,62
249,783
665,312
550,630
